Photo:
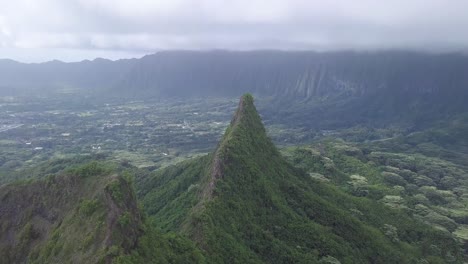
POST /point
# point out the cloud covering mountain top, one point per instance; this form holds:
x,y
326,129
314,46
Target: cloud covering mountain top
x,y
39,30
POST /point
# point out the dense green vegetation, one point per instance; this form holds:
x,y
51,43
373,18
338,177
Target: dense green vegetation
x,y
85,214
392,198
432,189
168,195
262,209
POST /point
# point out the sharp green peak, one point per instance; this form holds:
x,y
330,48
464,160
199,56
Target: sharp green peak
x,y
246,129
245,138
246,115
245,203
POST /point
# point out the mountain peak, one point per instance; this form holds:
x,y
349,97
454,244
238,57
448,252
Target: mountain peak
x,y
245,139
245,203
246,102
246,115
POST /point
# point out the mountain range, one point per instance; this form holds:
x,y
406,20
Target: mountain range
x,y
327,90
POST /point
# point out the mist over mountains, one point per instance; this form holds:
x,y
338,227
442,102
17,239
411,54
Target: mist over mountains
x,y
339,88
303,75
244,132
22,78
382,177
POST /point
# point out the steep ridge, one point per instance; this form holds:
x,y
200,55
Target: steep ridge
x,y
321,90
305,75
86,214
324,91
245,204
246,119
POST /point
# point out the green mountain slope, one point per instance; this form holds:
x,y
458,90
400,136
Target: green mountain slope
x,y
246,204
416,173
79,217
87,214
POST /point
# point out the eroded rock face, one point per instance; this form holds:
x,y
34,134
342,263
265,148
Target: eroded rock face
x,y
68,217
296,74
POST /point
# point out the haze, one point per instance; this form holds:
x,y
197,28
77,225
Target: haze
x,y
42,30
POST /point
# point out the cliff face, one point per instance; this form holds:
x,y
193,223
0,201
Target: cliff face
x,y
80,218
323,90
304,75
298,74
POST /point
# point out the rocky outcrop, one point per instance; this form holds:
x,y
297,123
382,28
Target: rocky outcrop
x,y
81,218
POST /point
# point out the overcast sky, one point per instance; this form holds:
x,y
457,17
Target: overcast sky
x,y
73,30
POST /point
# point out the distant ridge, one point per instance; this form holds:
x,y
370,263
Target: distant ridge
x,y
324,90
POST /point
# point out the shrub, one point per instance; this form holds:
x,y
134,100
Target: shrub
x,y
115,189
441,220
124,219
88,207
28,233
393,178
90,169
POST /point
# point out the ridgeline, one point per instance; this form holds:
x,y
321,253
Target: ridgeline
x,y
244,203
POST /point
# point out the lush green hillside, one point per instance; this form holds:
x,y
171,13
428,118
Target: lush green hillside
x,y
424,174
246,204
398,200
87,214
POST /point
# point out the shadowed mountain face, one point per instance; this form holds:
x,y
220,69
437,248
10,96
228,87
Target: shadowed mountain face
x,y
245,204
315,88
304,75
327,90
41,78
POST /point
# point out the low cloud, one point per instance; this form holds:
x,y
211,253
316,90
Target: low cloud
x,y
119,28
